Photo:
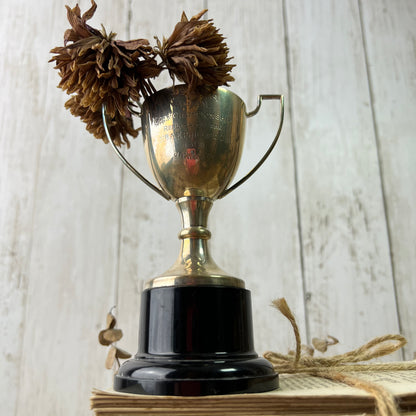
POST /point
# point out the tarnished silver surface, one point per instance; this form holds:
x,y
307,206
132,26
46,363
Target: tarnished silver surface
x,y
193,143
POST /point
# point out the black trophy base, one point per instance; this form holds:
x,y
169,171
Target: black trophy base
x,y
199,378
196,341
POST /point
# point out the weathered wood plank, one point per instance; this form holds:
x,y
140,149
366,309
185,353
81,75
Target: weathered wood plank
x,y
18,164
390,34
75,228
255,230
77,234
149,244
149,224
344,234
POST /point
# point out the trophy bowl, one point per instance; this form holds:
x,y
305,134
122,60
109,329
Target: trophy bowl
x,y
195,333
193,142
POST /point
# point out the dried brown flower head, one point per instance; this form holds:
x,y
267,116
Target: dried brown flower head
x,y
99,69
196,53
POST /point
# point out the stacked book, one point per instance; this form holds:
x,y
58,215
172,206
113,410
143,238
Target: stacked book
x,y
298,395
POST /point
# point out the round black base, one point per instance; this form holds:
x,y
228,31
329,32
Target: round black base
x,y
196,341
199,378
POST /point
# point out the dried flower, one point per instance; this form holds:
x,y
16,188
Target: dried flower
x,y
114,354
108,336
322,345
196,53
99,69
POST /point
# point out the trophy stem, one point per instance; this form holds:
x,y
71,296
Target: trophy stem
x,y
195,234
194,253
195,265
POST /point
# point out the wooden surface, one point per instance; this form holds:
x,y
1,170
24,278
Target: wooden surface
x,y
328,222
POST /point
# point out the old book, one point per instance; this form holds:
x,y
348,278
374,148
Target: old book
x,y
298,395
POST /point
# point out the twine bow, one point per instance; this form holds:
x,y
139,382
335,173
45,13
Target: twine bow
x,y
334,368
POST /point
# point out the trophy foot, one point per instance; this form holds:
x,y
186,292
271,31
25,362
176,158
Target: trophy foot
x,y
195,341
196,378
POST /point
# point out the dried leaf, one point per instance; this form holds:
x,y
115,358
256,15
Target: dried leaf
x,y
332,340
132,45
101,338
320,344
90,12
112,335
111,321
122,354
111,357
199,15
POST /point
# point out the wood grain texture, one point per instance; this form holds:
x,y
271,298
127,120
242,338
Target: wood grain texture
x,y
73,228
390,37
149,224
18,165
344,233
255,229
329,218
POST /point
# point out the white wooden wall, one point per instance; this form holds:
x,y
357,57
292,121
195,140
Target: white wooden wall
x,y
328,222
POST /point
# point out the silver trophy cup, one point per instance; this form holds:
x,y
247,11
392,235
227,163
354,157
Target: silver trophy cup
x,y
195,334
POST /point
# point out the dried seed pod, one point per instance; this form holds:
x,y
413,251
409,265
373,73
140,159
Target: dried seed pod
x,y
122,354
332,340
108,336
111,321
322,344
111,357
113,335
101,338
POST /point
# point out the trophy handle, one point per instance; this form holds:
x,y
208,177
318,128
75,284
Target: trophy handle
x,y
125,161
260,99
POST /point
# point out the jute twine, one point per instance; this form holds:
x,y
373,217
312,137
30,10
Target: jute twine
x,y
335,367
